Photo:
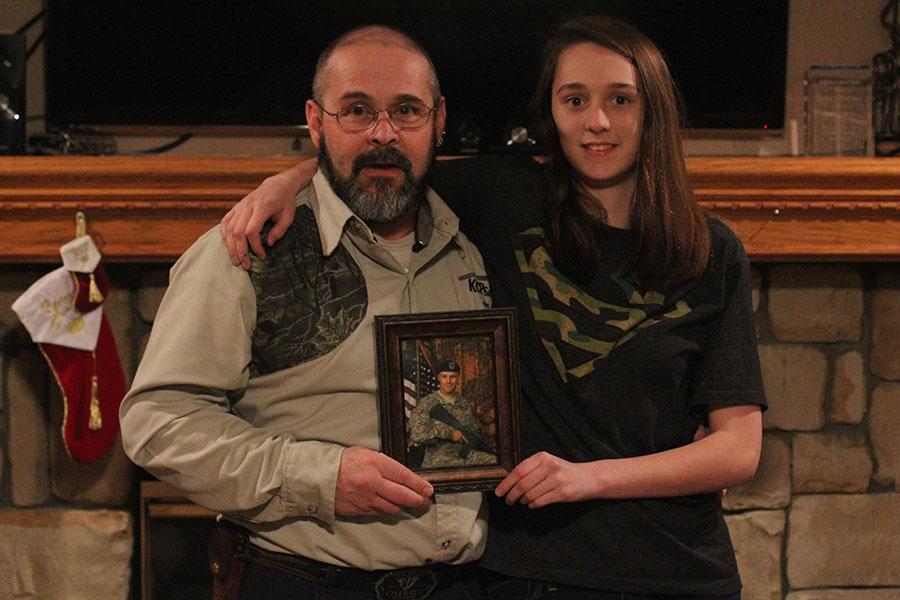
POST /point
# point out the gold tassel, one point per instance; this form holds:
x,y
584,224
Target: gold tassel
x,y
94,294
96,420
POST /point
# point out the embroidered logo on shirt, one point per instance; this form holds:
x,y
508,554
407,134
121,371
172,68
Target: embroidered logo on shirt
x,y
576,328
477,283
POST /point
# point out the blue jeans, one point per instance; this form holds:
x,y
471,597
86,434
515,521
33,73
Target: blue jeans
x,y
263,583
499,587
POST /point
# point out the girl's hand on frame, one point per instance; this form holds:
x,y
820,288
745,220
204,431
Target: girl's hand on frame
x,y
543,479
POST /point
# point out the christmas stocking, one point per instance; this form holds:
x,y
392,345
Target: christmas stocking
x,y
62,312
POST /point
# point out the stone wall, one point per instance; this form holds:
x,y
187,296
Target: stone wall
x,y
820,519
818,522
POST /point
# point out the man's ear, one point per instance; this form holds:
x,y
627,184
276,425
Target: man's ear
x,y
440,118
314,122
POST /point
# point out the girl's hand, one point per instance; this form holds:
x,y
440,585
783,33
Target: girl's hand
x,y
275,198
544,479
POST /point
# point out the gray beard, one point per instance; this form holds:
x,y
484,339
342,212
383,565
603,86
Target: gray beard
x,y
380,206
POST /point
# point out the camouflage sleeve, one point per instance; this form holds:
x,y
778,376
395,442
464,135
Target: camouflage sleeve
x,y
422,428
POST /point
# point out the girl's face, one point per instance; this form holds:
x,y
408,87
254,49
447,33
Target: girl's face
x,y
598,112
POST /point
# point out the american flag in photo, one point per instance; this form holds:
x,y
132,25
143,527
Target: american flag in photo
x,y
418,379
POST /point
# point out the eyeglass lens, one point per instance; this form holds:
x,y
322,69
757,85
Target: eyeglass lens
x,y
405,115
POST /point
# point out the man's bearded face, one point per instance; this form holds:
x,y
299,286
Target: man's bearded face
x,y
375,200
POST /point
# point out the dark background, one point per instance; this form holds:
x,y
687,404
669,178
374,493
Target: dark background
x,y
192,64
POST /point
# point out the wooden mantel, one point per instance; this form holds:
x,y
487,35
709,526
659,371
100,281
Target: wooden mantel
x,y
151,209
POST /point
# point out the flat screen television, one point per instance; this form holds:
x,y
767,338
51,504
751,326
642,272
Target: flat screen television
x,y
191,66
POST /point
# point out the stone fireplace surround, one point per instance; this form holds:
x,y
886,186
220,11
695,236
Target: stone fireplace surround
x,y
819,521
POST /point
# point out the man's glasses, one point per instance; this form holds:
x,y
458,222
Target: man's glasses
x,y
359,116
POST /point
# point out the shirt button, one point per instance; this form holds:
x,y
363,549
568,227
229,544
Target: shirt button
x,y
312,509
445,544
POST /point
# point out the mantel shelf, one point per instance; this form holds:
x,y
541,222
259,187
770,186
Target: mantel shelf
x,y
144,209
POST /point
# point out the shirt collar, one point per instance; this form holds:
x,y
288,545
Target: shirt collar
x,y
331,213
447,397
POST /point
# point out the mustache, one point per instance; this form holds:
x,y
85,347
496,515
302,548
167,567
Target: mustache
x,y
382,156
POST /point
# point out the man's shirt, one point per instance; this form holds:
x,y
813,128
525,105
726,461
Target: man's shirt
x,y
252,384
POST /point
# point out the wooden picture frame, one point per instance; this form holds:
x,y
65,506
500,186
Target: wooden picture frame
x,y
420,405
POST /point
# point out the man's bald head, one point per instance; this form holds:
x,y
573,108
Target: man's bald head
x,y
377,35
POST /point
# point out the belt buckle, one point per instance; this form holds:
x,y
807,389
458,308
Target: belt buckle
x,y
406,584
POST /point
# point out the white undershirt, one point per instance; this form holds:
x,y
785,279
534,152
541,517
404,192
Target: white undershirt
x,y
400,249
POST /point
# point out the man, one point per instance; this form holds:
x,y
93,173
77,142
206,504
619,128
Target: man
x,y
257,392
443,426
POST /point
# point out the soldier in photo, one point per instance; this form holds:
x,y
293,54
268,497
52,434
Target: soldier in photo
x,y
445,428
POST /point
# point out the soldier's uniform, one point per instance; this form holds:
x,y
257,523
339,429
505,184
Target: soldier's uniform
x,y
434,435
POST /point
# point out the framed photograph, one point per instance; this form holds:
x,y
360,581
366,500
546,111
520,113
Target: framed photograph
x,y
449,395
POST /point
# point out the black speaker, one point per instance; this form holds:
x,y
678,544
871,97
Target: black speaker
x,y
12,93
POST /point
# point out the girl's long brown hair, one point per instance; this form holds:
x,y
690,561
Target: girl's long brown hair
x,y
672,238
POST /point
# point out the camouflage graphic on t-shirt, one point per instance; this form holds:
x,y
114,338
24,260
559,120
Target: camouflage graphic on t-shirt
x,y
306,303
576,328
